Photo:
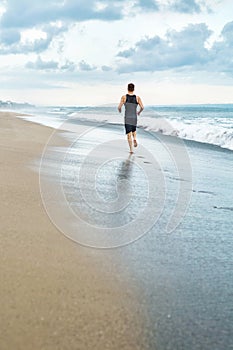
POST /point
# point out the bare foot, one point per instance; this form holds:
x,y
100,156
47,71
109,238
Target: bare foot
x,y
135,143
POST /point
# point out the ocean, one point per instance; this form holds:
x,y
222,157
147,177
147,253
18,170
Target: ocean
x,y
165,213
212,124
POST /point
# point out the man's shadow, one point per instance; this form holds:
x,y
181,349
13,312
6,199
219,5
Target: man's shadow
x,y
125,169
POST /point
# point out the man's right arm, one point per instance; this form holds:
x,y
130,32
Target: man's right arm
x,y
121,103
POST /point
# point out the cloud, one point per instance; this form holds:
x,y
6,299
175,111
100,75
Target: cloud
x,y
222,51
106,68
57,16
183,52
51,65
24,14
85,66
227,33
149,5
52,17
68,66
37,46
185,6
39,64
9,37
12,43
180,6
179,49
35,13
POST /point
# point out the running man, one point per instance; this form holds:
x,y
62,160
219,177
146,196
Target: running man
x,y
131,102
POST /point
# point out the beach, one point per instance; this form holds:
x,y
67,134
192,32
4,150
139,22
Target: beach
x,y
54,293
102,250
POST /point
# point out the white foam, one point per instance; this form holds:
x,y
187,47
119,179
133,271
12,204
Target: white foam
x,y
199,130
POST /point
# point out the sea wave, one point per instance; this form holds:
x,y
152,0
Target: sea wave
x,y
211,131
199,131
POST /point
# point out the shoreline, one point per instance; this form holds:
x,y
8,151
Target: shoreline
x,y
54,294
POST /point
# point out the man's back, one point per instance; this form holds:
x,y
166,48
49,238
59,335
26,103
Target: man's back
x,y
131,104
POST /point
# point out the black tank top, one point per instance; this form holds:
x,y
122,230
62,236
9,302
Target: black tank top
x,y
131,106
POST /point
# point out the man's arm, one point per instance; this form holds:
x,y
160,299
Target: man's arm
x,y
140,104
121,103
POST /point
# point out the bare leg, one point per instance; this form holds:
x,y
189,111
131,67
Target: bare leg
x,y
130,142
134,139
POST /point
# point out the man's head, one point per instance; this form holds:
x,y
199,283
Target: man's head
x,y
130,87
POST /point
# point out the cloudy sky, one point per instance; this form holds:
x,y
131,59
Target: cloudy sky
x,y
79,52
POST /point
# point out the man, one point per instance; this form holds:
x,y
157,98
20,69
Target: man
x,y
131,102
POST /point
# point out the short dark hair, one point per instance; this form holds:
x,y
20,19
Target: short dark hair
x,y
130,87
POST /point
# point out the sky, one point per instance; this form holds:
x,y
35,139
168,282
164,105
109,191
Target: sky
x,y
85,52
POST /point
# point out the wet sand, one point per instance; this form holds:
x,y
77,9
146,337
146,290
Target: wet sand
x,y
54,293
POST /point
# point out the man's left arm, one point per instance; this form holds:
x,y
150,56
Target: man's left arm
x,y
140,105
